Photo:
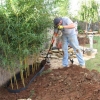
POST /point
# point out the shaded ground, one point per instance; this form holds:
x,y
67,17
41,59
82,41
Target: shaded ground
x,y
72,83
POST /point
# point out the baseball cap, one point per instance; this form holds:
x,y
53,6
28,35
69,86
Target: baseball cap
x,y
57,20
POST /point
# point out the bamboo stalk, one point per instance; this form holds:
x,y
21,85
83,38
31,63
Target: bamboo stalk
x,y
33,65
22,78
36,60
35,56
10,78
21,73
36,66
28,71
11,84
25,67
15,79
33,68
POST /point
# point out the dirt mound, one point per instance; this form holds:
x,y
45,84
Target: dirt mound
x,y
72,83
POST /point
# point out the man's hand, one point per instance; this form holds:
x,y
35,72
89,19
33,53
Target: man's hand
x,y
60,27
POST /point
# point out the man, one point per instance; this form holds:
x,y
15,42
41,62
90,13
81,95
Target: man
x,y
69,37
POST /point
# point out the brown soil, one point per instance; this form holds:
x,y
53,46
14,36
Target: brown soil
x,y
72,83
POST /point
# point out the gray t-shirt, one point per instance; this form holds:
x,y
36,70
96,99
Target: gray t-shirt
x,y
66,21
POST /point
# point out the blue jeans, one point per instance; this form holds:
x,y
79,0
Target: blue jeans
x,y
73,42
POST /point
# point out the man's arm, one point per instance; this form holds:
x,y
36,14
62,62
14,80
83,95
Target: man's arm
x,y
69,26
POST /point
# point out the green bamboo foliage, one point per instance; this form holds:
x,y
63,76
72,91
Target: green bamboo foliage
x,y
20,32
23,25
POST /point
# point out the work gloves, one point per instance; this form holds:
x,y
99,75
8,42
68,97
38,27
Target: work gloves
x,y
60,27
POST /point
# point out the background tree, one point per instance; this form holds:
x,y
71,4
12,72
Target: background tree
x,y
89,11
63,7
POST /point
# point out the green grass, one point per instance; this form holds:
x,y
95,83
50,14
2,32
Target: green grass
x,y
94,63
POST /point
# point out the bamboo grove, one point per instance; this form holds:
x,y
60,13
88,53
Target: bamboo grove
x,y
23,25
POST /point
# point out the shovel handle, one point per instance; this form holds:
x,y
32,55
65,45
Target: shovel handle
x,y
52,41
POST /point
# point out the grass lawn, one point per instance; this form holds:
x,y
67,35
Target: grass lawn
x,y
94,63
